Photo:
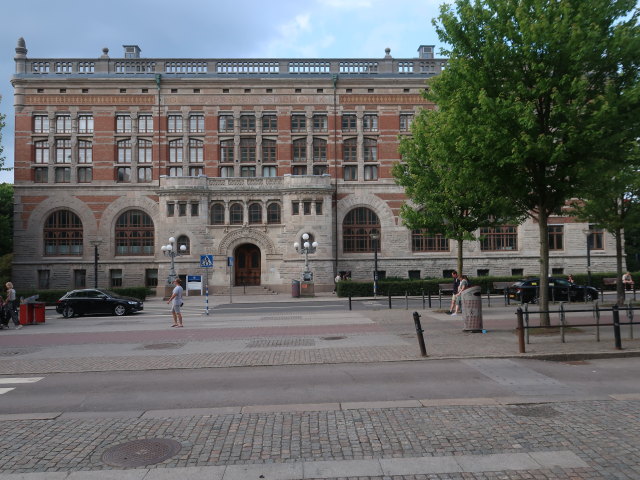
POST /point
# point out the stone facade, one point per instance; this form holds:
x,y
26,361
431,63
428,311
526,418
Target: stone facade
x,y
235,158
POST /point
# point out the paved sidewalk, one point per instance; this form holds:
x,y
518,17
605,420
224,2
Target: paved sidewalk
x,y
521,437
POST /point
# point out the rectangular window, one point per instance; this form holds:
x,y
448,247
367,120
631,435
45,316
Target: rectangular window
x,y
227,172
269,151
43,279
269,171
85,124
499,238
196,171
174,124
319,169
370,123
151,277
175,171
41,175
318,207
182,209
248,171
370,150
269,123
63,150
115,278
123,124
414,274
405,121
320,123
145,151
422,241
63,174
123,174
306,207
247,123
556,236
557,271
295,208
319,150
298,123
124,151
248,150
63,124
299,170
349,123
171,209
41,152
225,123
196,123
40,124
371,172
596,238
85,151
300,150
226,151
79,279
196,150
145,124
350,172
482,272
85,175
195,209
517,272
145,174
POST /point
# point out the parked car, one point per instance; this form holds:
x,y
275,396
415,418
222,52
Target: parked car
x,y
528,291
93,301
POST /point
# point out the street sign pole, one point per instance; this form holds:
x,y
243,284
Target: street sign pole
x,y
206,262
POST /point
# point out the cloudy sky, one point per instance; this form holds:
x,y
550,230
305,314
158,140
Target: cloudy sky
x,y
209,29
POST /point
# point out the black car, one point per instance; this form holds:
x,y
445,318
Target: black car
x,y
92,301
560,289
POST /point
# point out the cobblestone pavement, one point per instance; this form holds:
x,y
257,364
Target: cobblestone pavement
x,y
593,439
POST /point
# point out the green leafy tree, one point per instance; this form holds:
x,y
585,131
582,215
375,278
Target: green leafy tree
x,y
439,179
6,218
530,83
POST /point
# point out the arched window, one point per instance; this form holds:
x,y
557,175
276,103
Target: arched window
x,y
370,150
319,150
255,213
273,213
134,233
357,228
184,240
175,150
350,150
196,150
145,151
217,214
236,214
300,150
124,151
63,234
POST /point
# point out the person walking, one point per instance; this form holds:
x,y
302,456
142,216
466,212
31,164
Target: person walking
x,y
176,303
336,280
12,306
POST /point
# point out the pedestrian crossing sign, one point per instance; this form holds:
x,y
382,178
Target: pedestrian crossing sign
x,y
206,261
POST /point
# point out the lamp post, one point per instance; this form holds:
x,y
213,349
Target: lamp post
x,y
170,251
588,233
374,238
305,250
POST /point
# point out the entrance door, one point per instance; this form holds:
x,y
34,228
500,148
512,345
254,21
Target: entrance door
x,y
247,263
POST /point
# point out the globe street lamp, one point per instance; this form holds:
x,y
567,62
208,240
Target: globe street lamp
x,y
305,250
170,251
374,238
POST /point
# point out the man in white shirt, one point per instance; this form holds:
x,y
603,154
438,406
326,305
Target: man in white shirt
x,y
176,302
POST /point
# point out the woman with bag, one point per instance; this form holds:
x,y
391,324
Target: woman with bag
x,y
12,306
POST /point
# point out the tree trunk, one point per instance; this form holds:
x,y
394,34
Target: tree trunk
x,y
619,285
543,299
460,242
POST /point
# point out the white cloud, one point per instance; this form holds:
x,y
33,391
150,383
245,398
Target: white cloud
x,y
346,4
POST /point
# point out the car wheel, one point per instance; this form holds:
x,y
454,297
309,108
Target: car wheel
x,y
534,300
588,297
68,312
120,310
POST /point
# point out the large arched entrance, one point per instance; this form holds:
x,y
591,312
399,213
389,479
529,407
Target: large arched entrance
x,y
247,265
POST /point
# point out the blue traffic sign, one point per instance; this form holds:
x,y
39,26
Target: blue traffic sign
x,y
206,261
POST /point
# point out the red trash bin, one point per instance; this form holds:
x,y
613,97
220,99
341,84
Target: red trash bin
x,y
38,312
26,314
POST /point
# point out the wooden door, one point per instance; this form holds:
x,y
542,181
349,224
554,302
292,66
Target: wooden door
x,y
247,265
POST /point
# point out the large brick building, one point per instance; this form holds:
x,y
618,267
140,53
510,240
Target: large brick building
x,y
236,158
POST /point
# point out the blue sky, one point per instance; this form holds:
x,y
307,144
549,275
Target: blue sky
x,y
209,29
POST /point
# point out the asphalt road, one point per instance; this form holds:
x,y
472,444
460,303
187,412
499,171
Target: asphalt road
x,y
219,387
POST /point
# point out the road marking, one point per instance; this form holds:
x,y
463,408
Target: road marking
x,y
13,381
5,390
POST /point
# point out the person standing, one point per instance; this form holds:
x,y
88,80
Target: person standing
x,y
176,303
456,285
336,280
464,284
12,306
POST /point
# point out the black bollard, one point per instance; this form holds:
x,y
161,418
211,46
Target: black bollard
x,y
616,327
350,302
419,331
520,329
